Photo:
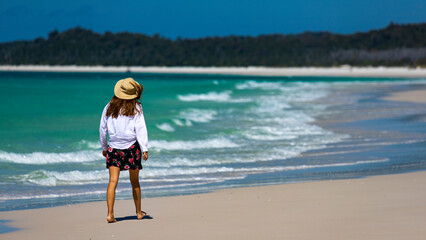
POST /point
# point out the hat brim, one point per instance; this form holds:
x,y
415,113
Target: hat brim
x,y
122,95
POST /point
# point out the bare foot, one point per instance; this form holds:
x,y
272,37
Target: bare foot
x,y
111,219
141,214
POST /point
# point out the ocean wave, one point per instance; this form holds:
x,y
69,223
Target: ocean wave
x,y
159,145
201,174
371,144
53,178
266,155
291,149
179,122
97,192
284,132
118,190
289,92
210,96
258,85
197,115
273,124
271,104
183,162
213,97
165,127
282,115
40,158
89,144
248,170
51,158
54,195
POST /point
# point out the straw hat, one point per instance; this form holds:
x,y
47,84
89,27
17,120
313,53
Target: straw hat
x,y
127,88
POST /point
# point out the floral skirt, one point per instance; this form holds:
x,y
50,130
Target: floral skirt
x,y
125,159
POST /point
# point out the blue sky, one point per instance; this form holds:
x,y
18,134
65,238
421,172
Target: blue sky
x,y
25,19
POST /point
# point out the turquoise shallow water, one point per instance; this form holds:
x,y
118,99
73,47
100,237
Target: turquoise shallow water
x,y
206,132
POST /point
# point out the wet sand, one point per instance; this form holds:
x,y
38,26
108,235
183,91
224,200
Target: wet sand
x,y
415,96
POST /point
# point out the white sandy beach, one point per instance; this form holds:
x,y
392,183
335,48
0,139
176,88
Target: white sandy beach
x,y
381,207
344,71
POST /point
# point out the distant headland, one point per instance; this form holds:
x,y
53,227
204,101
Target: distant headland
x,y
395,45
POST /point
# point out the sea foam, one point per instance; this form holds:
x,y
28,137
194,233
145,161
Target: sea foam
x,y
258,85
54,178
159,145
51,158
197,115
211,96
165,127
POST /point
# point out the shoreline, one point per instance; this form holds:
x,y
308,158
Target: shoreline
x,y
413,96
377,207
343,71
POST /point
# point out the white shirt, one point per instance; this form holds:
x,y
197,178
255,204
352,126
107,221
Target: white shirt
x,y
123,131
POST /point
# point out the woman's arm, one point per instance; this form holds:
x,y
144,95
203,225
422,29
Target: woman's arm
x,y
141,132
103,131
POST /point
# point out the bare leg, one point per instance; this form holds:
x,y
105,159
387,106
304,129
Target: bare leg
x,y
114,173
136,190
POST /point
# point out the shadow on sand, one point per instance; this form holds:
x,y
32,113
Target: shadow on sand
x,y
118,219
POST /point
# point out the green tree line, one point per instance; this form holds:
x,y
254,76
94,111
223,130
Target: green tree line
x,y
397,44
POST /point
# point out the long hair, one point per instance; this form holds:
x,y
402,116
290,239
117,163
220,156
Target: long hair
x,y
125,107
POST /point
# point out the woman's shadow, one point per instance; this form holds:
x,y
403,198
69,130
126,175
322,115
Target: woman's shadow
x,y
118,219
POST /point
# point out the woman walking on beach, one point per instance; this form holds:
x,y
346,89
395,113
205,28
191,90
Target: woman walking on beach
x,y
123,120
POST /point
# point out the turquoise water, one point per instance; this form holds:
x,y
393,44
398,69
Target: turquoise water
x,y
205,132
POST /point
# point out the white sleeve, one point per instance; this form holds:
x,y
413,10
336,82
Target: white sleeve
x,y
103,130
141,131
